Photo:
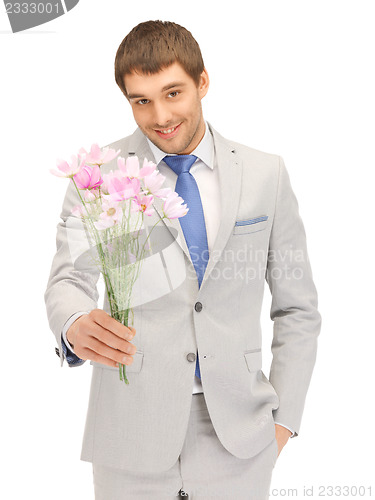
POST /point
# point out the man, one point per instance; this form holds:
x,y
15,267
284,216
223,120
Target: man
x,y
199,416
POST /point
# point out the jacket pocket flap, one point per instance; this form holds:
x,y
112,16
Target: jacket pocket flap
x,y
136,366
254,360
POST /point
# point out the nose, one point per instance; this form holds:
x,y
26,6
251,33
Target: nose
x,y
162,115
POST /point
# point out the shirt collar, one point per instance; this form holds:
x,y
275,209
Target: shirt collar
x,y
204,151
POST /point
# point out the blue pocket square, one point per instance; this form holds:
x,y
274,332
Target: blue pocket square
x,y
251,221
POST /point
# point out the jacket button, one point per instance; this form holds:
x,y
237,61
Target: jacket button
x,y
191,357
198,306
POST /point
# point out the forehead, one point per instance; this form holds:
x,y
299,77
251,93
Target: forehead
x,y
141,84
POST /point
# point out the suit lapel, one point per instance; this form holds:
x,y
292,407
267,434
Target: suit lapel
x,y
138,146
230,175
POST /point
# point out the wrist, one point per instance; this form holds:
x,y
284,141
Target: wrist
x,y
72,332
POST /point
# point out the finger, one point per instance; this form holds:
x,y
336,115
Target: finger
x,y
132,329
109,339
94,356
106,321
102,351
116,342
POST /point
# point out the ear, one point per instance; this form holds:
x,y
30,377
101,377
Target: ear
x,y
204,83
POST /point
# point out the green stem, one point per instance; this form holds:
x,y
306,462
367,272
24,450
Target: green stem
x,y
108,285
122,367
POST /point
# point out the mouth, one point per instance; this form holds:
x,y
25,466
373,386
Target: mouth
x,y
168,133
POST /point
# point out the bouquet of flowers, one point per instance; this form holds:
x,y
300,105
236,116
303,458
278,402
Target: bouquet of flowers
x,y
112,209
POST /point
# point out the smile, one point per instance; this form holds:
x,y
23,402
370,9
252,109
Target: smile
x,y
168,132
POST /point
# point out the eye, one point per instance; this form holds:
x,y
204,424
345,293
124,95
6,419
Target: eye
x,y
174,93
143,101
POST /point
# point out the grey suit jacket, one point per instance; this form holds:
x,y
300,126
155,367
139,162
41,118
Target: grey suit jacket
x,y
261,238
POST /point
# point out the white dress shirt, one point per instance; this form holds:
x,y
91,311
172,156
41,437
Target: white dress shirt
x,y
206,175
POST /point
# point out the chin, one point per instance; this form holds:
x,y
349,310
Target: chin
x,y
168,147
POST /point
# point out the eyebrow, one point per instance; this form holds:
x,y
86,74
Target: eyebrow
x,y
164,89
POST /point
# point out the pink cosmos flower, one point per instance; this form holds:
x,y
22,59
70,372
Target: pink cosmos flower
x,y
88,177
147,168
130,167
84,210
122,188
91,195
68,170
153,183
111,215
173,208
142,203
107,179
98,156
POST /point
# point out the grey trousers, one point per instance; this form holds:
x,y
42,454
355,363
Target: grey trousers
x,y
205,470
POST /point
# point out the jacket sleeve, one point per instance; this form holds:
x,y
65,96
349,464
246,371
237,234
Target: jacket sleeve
x,y
73,278
296,320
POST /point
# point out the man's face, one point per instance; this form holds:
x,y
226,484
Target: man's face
x,y
167,107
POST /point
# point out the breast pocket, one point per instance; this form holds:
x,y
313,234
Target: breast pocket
x,y
135,367
251,225
253,359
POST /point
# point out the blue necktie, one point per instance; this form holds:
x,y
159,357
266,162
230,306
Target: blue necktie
x,y
192,224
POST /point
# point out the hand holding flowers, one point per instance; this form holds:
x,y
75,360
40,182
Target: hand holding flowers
x,y
112,208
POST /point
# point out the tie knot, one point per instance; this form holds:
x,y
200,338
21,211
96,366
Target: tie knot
x,y
180,163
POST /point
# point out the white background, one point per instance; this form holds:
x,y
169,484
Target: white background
x,y
294,78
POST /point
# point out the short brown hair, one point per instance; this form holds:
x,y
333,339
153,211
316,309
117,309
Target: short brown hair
x,y
154,45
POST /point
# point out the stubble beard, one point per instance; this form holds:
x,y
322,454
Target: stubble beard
x,y
187,143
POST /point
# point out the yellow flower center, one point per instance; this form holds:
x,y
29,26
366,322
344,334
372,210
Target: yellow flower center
x,y
111,212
